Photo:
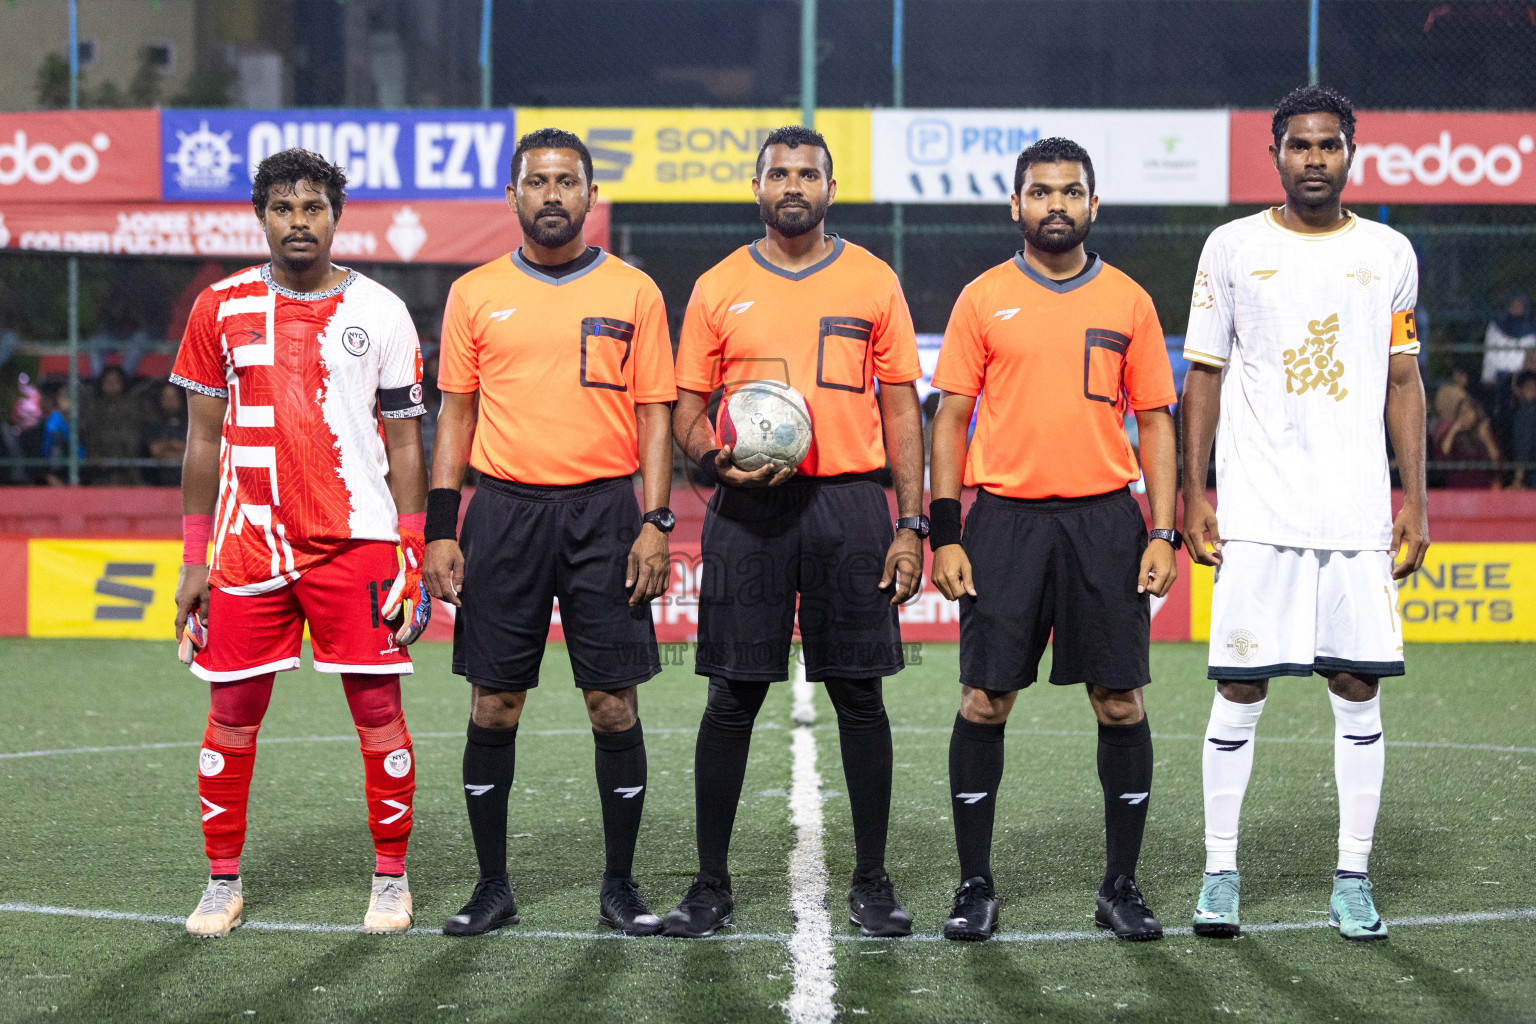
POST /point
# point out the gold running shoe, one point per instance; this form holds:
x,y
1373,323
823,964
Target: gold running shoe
x,y
218,911
389,906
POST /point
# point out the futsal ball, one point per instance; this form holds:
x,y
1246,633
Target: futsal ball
x,y
767,424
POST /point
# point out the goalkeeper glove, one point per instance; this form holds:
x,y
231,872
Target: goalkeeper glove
x,y
407,609
194,637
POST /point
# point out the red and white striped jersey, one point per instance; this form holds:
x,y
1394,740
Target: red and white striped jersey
x,y
302,465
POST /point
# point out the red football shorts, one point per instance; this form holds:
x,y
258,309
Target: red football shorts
x,y
252,634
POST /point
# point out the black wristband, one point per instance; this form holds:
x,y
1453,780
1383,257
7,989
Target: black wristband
x,y
442,514
943,522
707,468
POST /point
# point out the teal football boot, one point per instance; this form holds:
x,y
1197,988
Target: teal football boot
x,y
1353,912
1216,913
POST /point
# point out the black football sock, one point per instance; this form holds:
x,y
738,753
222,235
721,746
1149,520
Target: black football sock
x,y
621,774
1125,772
975,772
720,765
489,758
864,735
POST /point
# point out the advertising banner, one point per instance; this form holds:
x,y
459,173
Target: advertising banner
x,y
444,231
1464,592
72,155
1407,157
659,155
102,588
1140,157
212,155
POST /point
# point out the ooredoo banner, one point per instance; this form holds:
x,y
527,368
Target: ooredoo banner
x,y
462,232
74,155
1407,157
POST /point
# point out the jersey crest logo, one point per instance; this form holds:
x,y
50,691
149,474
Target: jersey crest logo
x,y
1365,275
1264,275
1243,645
742,307
500,316
355,340
1006,314
1312,366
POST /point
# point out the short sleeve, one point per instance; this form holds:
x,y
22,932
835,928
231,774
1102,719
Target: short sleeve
x,y
200,359
896,360
1208,339
1148,374
400,391
1405,296
962,367
458,365
699,347
652,378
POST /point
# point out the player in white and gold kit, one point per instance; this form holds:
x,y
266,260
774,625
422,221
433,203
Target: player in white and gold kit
x,y
1303,349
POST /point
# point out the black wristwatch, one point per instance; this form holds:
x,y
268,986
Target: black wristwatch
x,y
661,518
1173,537
918,524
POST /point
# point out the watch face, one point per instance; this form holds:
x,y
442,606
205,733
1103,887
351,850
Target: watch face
x,y
662,519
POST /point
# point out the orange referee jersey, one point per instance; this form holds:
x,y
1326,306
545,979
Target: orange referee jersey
x,y
1056,364
829,331
560,365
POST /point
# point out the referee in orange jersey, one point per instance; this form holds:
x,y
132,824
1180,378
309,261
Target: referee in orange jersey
x,y
1058,345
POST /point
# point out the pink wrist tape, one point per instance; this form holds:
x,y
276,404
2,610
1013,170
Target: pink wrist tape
x,y
194,539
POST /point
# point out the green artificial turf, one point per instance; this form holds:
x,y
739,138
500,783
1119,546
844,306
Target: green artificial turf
x,y
117,830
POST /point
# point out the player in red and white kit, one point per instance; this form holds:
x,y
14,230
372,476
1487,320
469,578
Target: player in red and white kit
x,y
304,467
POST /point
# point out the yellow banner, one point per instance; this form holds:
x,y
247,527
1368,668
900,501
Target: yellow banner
x,y
102,588
688,155
1464,592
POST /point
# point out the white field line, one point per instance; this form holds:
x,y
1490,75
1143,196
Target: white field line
x,y
1036,938
810,947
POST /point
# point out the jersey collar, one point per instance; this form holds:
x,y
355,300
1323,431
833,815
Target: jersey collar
x,y
289,293
1272,218
1082,277
533,271
798,275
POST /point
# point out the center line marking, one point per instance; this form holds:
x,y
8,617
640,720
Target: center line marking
x,y
810,947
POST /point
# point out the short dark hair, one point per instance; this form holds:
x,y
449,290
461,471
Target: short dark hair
x,y
1314,99
1052,151
1525,377
286,169
794,136
552,138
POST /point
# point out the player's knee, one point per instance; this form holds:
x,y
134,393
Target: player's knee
x,y
859,703
1352,687
497,709
985,707
1116,707
1243,693
612,710
733,705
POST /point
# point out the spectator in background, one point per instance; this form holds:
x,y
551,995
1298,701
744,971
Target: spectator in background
x,y
26,416
54,442
165,434
1511,342
120,332
1467,437
1450,395
111,428
1524,427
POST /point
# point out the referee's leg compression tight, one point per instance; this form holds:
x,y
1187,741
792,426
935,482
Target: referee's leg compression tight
x,y
864,734
621,779
490,755
975,772
720,765
225,764
1125,772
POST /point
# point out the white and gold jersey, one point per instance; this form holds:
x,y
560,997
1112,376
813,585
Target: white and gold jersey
x,y
1303,327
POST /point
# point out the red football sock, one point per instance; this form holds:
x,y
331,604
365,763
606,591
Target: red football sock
x,y
224,767
389,766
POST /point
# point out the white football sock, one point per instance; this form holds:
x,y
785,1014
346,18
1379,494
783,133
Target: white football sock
x,y
1359,763
1227,761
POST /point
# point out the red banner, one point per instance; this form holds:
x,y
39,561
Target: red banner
x,y
1406,157
80,156
445,231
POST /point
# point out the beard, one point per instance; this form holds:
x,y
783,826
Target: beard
x,y
1039,238
1294,193
552,233
792,217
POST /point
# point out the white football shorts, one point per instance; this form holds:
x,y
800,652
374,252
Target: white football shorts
x,y
1295,611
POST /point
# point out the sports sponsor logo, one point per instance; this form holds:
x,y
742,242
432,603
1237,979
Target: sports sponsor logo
x,y
210,762
1007,314
355,340
83,154
204,162
742,307
401,810
479,790
397,763
406,234
629,792
1436,162
1243,645
43,163
1227,746
1135,798
213,811
971,798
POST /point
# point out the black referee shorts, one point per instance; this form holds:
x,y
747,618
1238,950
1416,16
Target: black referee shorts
x,y
525,545
1058,570
823,539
